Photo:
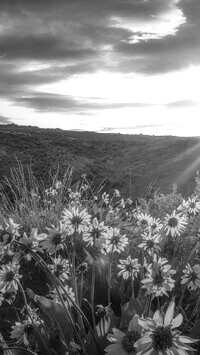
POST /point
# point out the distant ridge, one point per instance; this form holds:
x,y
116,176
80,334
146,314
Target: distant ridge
x,y
128,162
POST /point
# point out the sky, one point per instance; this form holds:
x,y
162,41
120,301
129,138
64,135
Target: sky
x,y
115,66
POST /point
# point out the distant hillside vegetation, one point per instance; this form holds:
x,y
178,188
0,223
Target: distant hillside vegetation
x,y
130,163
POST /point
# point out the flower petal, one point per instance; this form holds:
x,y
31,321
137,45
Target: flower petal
x,y
169,313
177,321
157,317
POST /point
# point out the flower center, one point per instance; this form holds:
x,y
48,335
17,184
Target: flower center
x,y
144,222
57,238
158,277
5,237
76,221
193,276
150,244
154,226
192,204
9,276
173,222
162,338
129,340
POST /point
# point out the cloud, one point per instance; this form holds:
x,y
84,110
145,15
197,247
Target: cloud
x,y
48,41
43,102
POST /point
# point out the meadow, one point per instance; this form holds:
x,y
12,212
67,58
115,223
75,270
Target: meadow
x,y
83,271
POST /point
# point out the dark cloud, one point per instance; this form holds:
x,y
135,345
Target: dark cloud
x,y
62,103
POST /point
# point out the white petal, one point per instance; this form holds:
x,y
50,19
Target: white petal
x,y
157,317
177,321
169,314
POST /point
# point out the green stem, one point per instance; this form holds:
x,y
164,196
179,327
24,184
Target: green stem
x,y
110,275
92,295
181,299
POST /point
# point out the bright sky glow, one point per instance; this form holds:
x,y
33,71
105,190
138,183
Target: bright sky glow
x,y
131,67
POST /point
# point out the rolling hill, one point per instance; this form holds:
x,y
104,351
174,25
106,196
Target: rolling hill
x,y
128,162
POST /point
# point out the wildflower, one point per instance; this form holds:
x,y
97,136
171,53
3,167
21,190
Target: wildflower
x,y
60,268
174,224
9,277
96,232
29,244
122,203
82,268
158,278
191,276
53,241
58,185
76,221
75,195
191,206
116,193
156,225
8,296
144,220
129,268
129,201
124,343
115,241
150,242
105,198
21,331
103,311
6,239
12,227
159,336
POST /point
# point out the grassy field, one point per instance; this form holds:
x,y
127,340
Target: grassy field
x,y
129,162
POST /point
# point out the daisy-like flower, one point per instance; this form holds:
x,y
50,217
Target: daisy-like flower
x,y
60,268
53,241
191,206
129,268
191,276
158,279
96,233
174,224
6,239
8,296
76,220
115,241
159,336
150,242
12,227
29,244
156,225
21,331
144,220
124,343
9,277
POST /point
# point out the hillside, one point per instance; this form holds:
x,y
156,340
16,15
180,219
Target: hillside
x,y
128,162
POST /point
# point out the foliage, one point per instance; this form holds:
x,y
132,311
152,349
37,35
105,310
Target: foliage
x,y
87,272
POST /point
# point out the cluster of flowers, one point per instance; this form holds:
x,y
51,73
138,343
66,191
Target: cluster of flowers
x,y
155,274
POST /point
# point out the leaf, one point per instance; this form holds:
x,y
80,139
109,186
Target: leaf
x,y
56,312
129,309
195,333
19,351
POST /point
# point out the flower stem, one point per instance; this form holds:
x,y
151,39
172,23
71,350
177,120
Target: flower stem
x,y
110,275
